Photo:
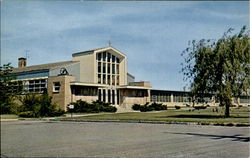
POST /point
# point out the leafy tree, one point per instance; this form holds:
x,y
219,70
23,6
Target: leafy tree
x,y
220,67
8,88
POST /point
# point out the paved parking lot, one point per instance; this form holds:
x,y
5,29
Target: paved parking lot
x,y
75,139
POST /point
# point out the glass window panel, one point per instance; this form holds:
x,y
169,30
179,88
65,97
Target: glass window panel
x,y
108,68
113,68
109,57
117,69
117,60
113,58
104,68
99,67
104,56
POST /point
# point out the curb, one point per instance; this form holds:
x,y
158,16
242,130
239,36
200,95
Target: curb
x,y
159,122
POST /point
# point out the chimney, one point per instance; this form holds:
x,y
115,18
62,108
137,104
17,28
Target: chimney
x,y
21,62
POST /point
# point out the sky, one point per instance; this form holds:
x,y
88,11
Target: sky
x,y
152,34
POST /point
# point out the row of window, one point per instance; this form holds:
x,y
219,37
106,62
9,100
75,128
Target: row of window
x,y
109,95
35,86
160,98
86,91
103,67
106,56
108,79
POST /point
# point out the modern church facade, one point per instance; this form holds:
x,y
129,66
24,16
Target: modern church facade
x,y
98,74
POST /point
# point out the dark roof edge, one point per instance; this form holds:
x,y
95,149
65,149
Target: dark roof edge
x,y
131,75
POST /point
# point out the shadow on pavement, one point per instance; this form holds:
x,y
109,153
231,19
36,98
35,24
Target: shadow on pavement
x,y
236,137
204,116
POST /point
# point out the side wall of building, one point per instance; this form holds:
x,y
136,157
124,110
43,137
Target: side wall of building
x,y
64,96
87,67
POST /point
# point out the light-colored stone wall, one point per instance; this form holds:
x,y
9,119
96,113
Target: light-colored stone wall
x,y
87,67
64,96
88,99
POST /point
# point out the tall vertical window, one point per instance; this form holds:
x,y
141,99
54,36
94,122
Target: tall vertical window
x,y
104,56
104,95
99,78
109,57
108,79
99,94
117,60
118,96
117,69
113,58
109,96
113,96
99,56
99,67
117,80
113,68
108,68
104,79
113,79
104,68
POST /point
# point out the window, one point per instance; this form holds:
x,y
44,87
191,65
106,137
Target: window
x,y
104,95
108,79
99,94
117,69
109,57
117,80
99,78
104,79
113,96
113,68
113,80
117,60
104,56
109,96
56,87
108,68
104,67
113,58
99,67
99,56
37,86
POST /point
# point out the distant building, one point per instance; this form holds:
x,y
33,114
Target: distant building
x,y
98,74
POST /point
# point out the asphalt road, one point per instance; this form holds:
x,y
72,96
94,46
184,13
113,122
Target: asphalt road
x,y
74,139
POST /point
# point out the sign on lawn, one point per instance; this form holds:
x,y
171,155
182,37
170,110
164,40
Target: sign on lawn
x,y
71,106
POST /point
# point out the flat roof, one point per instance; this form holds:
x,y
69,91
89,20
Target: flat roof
x,y
86,84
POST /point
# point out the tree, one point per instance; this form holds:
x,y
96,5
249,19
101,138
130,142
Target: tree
x,y
219,67
8,88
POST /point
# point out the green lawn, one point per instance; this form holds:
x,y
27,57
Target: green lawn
x,y
8,116
238,115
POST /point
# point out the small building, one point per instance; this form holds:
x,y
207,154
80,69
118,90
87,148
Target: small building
x,y
98,74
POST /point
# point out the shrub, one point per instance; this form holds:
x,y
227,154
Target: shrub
x,y
38,106
177,107
95,107
136,107
26,114
147,107
158,107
